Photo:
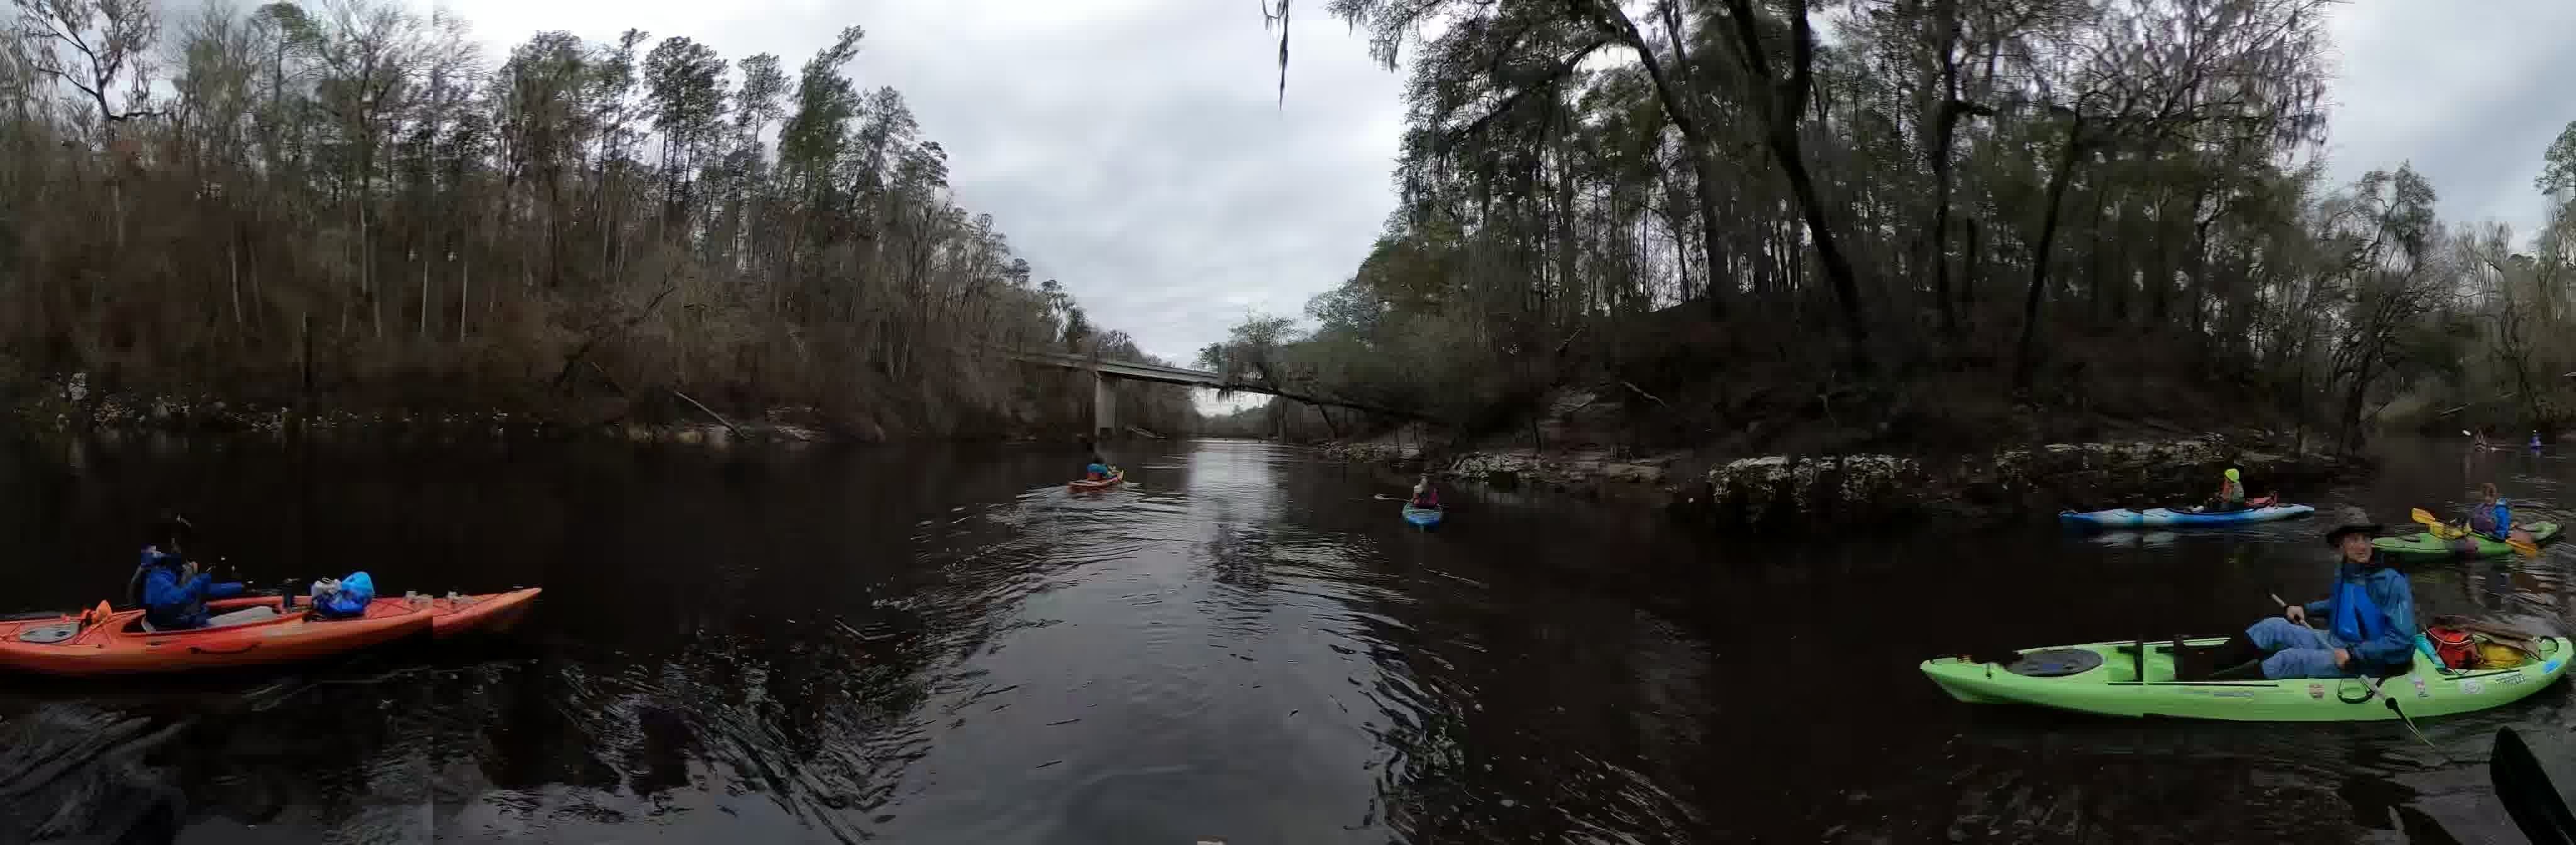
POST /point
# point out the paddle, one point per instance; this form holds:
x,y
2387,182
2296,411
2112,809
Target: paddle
x,y
2439,529
2527,794
2374,683
2520,546
221,570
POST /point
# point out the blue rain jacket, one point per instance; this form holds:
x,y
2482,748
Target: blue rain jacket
x,y
2372,614
171,605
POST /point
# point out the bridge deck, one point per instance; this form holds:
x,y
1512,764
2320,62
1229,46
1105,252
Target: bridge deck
x,y
1176,375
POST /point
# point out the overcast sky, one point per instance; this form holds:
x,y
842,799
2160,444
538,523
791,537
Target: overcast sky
x,y
1133,149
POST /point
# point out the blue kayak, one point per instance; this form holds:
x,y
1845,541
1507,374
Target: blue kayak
x,y
1421,517
2162,517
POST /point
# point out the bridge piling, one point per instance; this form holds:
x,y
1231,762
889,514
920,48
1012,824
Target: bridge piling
x,y
1104,407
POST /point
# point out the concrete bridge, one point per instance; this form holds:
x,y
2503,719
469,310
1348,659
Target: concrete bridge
x,y
1104,403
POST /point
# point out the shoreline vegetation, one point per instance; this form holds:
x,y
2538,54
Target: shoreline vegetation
x,y
343,209
1865,248
1908,244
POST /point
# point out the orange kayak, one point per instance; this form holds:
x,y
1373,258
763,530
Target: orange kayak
x,y
1103,484
115,643
449,615
93,643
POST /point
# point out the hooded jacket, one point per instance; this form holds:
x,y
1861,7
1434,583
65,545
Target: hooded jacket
x,y
170,604
2385,616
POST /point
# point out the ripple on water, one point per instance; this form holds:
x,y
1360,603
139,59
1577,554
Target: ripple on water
x,y
1237,645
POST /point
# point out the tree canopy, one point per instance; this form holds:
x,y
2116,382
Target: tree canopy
x,y
346,200
1972,216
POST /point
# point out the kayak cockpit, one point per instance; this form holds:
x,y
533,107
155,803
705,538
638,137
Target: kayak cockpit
x,y
232,619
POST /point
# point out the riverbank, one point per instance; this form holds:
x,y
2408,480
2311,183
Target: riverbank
x,y
69,406
1844,492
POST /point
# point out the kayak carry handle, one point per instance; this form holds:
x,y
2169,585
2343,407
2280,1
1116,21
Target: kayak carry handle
x,y
204,650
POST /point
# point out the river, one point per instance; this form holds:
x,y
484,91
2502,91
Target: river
x,y
941,644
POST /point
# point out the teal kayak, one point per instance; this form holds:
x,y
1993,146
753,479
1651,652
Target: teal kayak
x,y
1421,517
2112,679
2167,517
2423,544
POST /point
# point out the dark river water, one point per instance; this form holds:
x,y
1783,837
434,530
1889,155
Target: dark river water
x,y
940,644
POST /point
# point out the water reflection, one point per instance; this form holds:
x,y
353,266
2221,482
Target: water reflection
x,y
1239,644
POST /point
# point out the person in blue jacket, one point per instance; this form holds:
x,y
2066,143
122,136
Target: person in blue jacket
x,y
1096,466
2370,624
2493,517
173,593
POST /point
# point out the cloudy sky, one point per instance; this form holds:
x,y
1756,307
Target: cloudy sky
x,y
1134,149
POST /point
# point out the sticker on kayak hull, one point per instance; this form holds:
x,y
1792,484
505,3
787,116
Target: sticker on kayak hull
x,y
2317,691
2473,686
2551,666
2420,691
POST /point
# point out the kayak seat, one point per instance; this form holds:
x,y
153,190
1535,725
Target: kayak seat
x,y
2055,662
2200,663
243,616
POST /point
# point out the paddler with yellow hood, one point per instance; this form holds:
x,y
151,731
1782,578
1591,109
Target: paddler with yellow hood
x,y
2231,494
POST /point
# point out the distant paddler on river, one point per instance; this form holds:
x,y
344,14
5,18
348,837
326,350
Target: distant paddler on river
x,y
1424,495
2231,494
2492,518
1095,466
1422,506
2489,530
1097,472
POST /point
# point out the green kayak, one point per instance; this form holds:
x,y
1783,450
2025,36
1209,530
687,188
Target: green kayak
x,y
2423,544
2103,678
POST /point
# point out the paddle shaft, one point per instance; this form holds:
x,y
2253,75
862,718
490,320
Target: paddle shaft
x,y
2528,796
2374,684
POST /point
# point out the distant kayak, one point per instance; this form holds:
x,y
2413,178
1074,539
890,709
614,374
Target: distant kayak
x,y
2161,517
119,644
2103,678
2423,544
1115,476
1421,517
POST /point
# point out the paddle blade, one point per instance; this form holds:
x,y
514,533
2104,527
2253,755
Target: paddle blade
x,y
2425,517
2527,794
2524,547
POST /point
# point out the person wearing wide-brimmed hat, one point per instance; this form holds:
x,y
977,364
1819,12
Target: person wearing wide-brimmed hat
x,y
2371,624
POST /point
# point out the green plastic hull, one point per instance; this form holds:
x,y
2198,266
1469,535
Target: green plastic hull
x,y
2424,545
2114,688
